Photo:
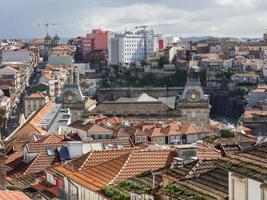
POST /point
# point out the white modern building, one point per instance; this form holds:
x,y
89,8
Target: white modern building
x,y
131,47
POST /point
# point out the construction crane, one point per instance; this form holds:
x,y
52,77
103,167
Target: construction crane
x,y
144,27
46,25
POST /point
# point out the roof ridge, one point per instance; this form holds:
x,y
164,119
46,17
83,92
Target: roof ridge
x,y
29,121
85,161
90,154
33,161
123,167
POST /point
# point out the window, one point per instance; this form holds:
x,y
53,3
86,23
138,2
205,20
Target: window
x,y
50,152
138,139
143,138
91,135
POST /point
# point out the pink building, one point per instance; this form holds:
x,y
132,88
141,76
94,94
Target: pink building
x,y
97,40
161,44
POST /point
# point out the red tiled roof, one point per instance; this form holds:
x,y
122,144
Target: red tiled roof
x,y
172,128
16,166
142,161
31,124
206,152
112,170
52,139
36,96
97,176
137,107
38,41
12,195
88,127
97,157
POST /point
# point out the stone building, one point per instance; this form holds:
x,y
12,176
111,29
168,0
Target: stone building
x,y
73,98
194,105
33,102
191,106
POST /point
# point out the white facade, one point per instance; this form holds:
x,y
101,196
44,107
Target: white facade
x,y
75,190
243,188
131,48
33,104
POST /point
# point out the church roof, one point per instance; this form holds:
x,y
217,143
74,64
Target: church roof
x,y
141,98
74,88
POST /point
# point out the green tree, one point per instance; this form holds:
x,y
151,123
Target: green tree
x,y
224,74
241,91
148,79
163,60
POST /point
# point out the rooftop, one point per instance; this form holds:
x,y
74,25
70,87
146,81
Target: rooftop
x,y
100,168
12,195
251,163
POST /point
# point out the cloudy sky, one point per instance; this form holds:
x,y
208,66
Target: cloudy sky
x,y
238,18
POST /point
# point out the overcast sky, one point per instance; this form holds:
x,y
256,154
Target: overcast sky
x,y
239,18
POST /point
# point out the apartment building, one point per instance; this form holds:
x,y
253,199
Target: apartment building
x,y
131,47
33,102
97,40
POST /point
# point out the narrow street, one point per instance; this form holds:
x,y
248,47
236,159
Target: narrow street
x,y
13,122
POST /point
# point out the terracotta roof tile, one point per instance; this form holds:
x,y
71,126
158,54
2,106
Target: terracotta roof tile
x,y
206,152
97,176
36,96
89,127
31,124
143,161
111,167
255,159
123,107
13,195
16,167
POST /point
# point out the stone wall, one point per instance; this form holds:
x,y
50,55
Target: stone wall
x,y
109,94
220,101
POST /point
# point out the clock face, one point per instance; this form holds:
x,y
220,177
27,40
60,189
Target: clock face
x,y
193,95
70,98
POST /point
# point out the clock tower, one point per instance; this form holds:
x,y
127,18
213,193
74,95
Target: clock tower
x,y
72,96
193,104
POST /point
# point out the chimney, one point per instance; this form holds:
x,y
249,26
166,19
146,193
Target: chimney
x,y
177,163
186,152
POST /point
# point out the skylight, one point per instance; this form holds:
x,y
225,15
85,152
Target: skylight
x,y
50,152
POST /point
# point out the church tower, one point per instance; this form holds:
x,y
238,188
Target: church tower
x,y
72,95
47,45
55,41
194,104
